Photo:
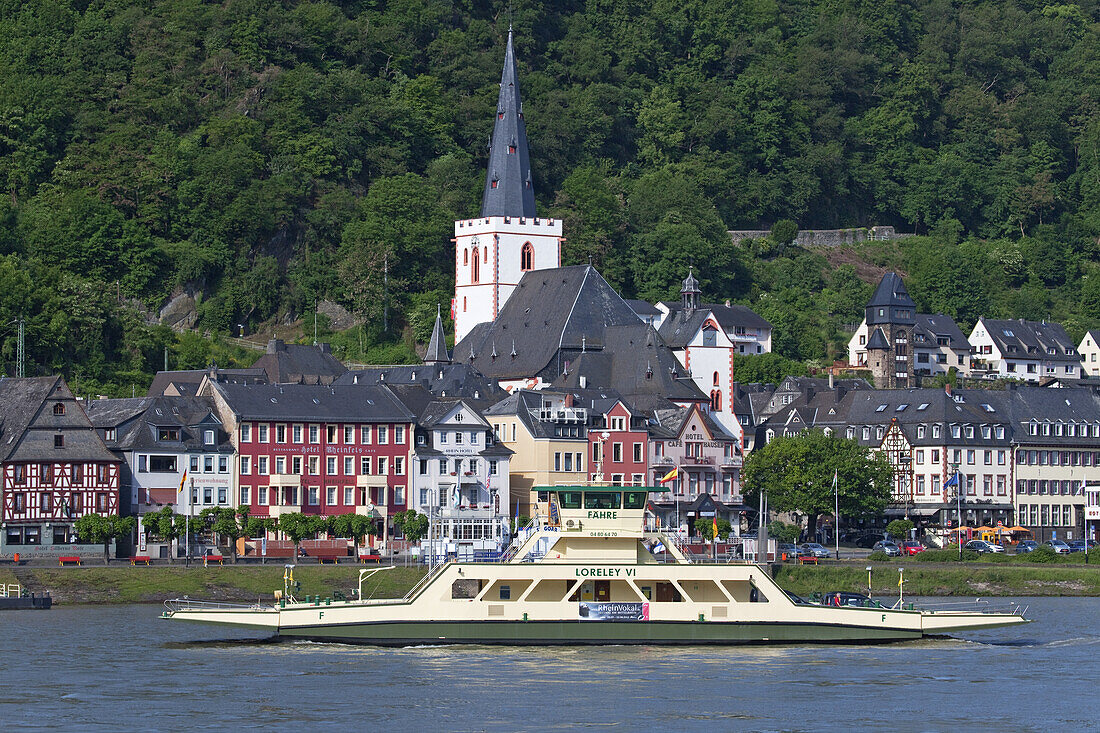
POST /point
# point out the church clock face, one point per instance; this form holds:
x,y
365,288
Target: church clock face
x,y
474,241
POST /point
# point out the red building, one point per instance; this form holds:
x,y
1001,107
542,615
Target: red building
x,y
314,449
55,467
618,443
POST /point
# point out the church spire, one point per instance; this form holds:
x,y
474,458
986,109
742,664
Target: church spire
x,y
437,347
508,189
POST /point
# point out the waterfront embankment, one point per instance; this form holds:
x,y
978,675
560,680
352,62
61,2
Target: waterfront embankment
x,y
247,583
243,583
944,579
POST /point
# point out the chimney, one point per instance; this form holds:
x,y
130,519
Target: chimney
x,y
275,345
569,400
947,389
584,382
325,348
831,383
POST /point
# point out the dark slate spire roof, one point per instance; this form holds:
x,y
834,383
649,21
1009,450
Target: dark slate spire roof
x,y
890,296
437,347
508,188
878,340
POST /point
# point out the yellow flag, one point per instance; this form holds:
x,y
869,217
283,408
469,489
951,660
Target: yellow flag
x,y
669,476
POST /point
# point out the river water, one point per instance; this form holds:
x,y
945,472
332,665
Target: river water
x,y
122,668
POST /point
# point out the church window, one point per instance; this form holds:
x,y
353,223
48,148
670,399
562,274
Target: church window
x,y
716,400
527,254
465,257
464,305
475,271
484,254
715,382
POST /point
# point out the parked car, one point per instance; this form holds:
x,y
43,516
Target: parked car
x,y
812,549
1058,546
982,547
890,548
1026,546
789,549
911,547
842,598
869,539
1080,545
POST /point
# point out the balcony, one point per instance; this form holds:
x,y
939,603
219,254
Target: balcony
x,y
284,479
699,460
371,480
576,415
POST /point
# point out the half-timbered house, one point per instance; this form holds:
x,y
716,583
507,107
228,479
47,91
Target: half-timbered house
x,y
55,467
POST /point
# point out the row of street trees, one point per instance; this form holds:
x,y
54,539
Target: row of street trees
x,y
229,524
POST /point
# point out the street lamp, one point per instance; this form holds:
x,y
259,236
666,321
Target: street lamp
x,y
868,581
958,507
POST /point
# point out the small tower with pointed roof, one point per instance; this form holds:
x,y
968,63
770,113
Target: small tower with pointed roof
x,y
689,294
493,251
437,347
891,316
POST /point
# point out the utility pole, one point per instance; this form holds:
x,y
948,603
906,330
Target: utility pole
x,y
21,354
165,358
386,294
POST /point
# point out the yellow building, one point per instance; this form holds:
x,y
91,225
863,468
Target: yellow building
x,y
549,437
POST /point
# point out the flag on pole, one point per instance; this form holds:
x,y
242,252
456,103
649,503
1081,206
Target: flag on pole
x,y
182,481
953,481
669,476
716,526
835,477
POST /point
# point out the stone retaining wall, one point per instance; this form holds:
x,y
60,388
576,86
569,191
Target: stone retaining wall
x,y
825,237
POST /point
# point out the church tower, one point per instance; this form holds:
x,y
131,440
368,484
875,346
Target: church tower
x,y
494,250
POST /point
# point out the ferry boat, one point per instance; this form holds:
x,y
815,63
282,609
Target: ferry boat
x,y
589,575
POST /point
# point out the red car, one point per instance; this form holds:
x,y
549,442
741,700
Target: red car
x,y
911,547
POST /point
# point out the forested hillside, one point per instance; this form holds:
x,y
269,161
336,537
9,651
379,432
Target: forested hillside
x,y
264,155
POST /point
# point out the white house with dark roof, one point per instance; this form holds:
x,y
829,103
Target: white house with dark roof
x,y
459,475
175,453
1089,349
1026,350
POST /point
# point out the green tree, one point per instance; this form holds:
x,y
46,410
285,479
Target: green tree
x,y
166,524
230,523
704,527
99,529
413,525
296,527
784,532
355,526
797,473
899,528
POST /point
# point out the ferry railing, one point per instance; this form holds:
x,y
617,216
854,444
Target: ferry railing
x,y
515,546
11,590
423,582
187,604
978,605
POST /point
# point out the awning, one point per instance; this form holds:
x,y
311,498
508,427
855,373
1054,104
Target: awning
x,y
914,510
162,496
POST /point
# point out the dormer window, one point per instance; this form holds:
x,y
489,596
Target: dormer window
x,y
208,437
59,441
168,435
59,409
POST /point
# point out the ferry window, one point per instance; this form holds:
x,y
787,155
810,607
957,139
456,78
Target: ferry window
x,y
505,592
602,499
634,500
569,499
